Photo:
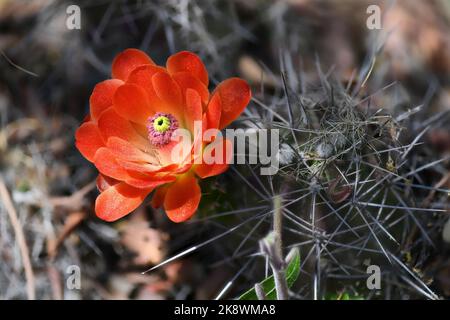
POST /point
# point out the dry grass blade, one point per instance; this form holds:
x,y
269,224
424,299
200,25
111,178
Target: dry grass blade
x,y
20,237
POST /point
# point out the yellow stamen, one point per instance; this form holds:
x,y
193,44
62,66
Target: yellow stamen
x,y
161,124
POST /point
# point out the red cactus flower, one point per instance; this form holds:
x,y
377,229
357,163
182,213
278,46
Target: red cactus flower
x,y
129,132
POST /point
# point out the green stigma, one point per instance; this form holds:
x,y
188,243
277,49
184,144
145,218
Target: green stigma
x,y
161,124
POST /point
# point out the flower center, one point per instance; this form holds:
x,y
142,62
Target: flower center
x,y
160,128
161,124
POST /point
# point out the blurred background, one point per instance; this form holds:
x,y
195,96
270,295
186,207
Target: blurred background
x,y
48,230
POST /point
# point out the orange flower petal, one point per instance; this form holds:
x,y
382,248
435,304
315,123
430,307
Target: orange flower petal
x,y
142,76
102,96
167,89
106,163
165,153
88,140
182,198
118,201
131,102
189,62
126,151
111,124
151,169
213,112
104,182
193,110
159,196
139,166
182,169
141,180
234,97
187,81
205,170
210,170
125,62
141,129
